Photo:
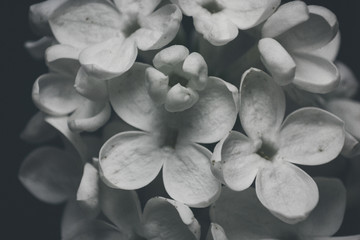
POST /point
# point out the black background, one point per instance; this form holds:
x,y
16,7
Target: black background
x,y
24,216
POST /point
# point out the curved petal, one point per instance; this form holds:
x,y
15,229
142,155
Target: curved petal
x,y
159,28
286,17
63,59
131,102
326,218
180,98
189,7
250,13
211,117
109,59
240,163
188,178
196,67
88,191
170,58
90,116
216,232
157,85
50,174
351,146
315,74
81,23
286,191
55,94
90,87
37,48
262,105
136,6
167,219
311,136
277,61
330,51
131,160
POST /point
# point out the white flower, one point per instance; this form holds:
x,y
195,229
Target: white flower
x,y
219,20
308,136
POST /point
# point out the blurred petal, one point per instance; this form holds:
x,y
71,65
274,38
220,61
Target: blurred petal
x,y
351,146
311,136
325,220
109,58
90,87
121,207
131,102
89,116
212,116
167,219
171,57
286,17
216,232
262,105
277,61
55,94
63,59
159,28
196,67
180,98
315,74
286,191
188,178
137,6
81,23
88,191
37,48
50,174
37,130
131,160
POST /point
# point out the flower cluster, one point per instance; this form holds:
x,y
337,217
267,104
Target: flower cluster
x,y
146,108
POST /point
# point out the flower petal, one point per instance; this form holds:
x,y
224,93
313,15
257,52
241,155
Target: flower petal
x,y
131,160
131,102
286,17
325,220
330,51
157,85
55,94
248,14
158,28
110,58
88,191
136,6
90,87
196,67
351,146
63,59
180,98
188,178
240,163
216,232
286,191
311,136
81,23
37,48
170,58
277,61
315,74
262,105
50,174
167,219
212,116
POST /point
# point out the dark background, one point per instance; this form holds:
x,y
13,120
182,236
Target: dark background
x,y
23,215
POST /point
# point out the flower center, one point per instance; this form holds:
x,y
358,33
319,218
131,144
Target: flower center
x,y
267,150
212,7
170,138
175,78
131,26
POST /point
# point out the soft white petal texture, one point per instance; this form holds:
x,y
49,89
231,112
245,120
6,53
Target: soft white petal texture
x,y
216,164
349,111
188,178
243,217
316,32
131,160
37,48
157,85
89,116
277,61
131,102
165,219
90,87
121,207
240,163
212,116
37,130
330,51
216,232
348,85
55,94
286,191
286,17
262,105
81,23
180,98
351,146
216,28
311,136
158,28
50,174
189,7
63,59
136,6
109,58
249,13
327,217
315,74
88,191
169,58
196,67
